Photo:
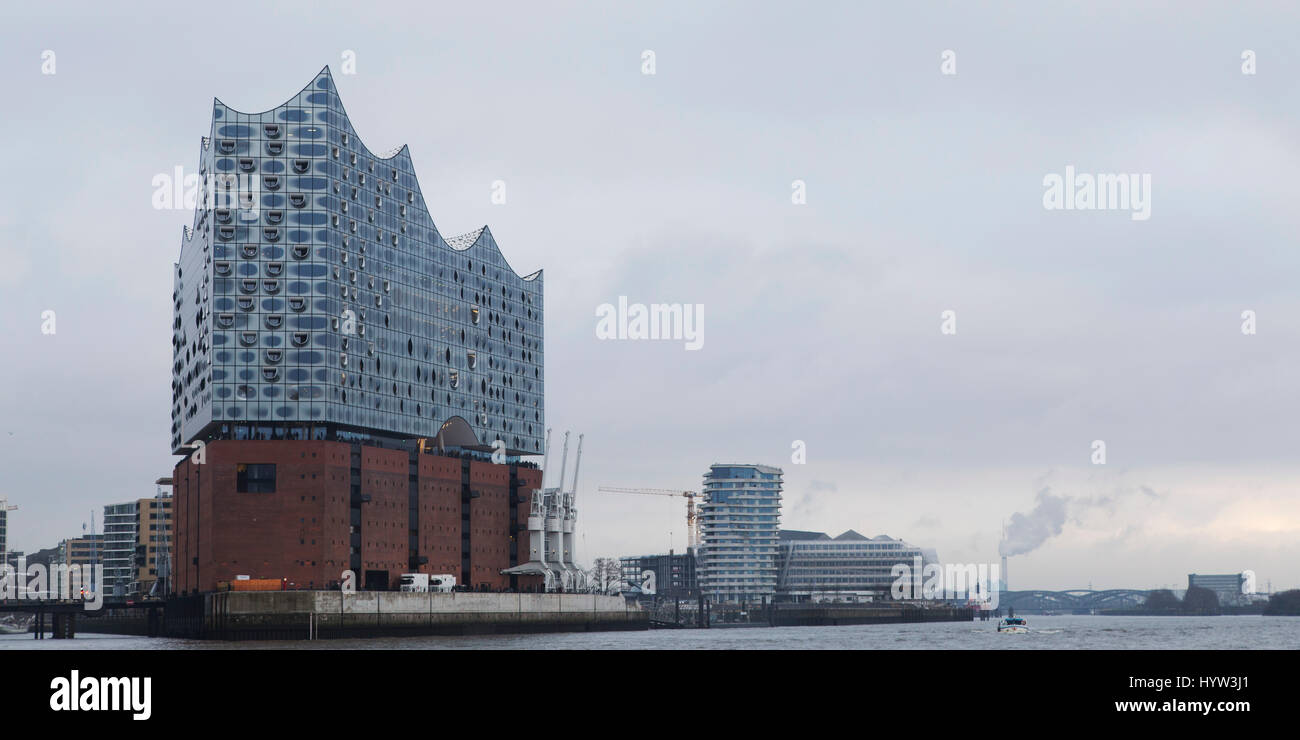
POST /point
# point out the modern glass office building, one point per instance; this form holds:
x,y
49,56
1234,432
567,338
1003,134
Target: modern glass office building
x,y
118,550
134,546
316,299
740,521
814,565
1230,587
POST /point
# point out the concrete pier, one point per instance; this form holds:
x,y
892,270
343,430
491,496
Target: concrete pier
x,y
304,615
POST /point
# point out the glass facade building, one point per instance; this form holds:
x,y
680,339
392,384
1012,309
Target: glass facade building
x,y
813,565
121,525
314,297
1230,587
740,522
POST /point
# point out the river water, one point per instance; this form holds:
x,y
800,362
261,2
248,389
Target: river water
x,y
1047,633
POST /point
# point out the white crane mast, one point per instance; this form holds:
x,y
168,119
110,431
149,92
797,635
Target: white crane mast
x,y
552,522
569,518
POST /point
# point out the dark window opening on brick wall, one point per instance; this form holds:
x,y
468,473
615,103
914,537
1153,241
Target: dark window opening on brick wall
x,y
255,478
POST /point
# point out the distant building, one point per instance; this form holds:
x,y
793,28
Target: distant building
x,y
120,529
152,544
815,566
135,545
1227,587
740,520
674,574
45,558
84,550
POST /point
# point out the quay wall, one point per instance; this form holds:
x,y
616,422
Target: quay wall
x,y
301,615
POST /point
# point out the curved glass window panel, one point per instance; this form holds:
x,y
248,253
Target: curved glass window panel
x,y
422,306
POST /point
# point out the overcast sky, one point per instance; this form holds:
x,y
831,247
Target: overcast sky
x,y
924,194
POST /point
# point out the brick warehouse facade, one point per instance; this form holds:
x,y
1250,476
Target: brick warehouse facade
x,y
410,512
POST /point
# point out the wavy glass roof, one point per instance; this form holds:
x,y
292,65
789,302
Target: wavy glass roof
x,y
315,289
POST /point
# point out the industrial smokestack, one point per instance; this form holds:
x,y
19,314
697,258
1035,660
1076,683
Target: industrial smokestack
x,y
1005,587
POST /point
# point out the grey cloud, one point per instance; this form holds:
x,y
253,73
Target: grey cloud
x,y
822,320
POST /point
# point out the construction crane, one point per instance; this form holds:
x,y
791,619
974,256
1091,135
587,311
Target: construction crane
x,y
692,518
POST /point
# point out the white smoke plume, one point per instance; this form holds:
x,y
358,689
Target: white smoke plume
x,y
1025,532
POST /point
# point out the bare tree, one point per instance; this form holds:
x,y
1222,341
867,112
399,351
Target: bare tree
x,y
606,575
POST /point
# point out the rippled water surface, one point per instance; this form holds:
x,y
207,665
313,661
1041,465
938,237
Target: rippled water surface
x,y
1050,633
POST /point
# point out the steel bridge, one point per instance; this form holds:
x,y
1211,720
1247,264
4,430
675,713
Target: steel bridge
x,y
1073,601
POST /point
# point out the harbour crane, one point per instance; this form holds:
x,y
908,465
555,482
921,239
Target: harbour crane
x,y
552,524
692,517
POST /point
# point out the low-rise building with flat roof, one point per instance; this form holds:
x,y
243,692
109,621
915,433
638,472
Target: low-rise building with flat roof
x,y
813,566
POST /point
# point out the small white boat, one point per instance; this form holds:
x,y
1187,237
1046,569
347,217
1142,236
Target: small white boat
x,y
1013,625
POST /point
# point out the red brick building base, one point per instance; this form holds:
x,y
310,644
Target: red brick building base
x,y
338,507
